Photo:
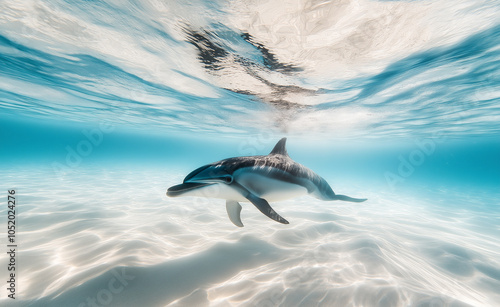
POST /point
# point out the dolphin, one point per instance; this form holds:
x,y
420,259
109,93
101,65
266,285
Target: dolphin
x,y
256,179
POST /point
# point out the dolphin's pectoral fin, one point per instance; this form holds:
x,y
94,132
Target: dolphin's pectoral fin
x,y
233,209
260,203
347,198
265,208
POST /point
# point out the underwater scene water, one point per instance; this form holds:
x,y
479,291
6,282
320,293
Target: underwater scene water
x,y
104,105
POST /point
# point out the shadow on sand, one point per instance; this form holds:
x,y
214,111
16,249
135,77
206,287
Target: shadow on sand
x,y
164,283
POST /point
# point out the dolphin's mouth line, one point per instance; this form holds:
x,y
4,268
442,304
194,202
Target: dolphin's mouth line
x,y
178,190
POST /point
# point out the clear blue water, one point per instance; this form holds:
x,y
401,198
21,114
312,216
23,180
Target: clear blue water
x,y
104,105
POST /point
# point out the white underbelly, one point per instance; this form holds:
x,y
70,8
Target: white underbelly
x,y
268,188
218,190
264,187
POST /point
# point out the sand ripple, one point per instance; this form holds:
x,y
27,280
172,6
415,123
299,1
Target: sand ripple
x,y
111,237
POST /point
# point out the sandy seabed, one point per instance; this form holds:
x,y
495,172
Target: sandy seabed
x,y
111,237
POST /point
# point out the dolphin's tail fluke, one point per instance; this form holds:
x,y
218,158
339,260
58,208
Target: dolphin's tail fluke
x,y
347,198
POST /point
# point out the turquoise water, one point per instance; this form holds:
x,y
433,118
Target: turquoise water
x,y
104,105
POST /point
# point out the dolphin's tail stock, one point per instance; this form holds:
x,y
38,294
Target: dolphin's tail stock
x,y
323,191
347,198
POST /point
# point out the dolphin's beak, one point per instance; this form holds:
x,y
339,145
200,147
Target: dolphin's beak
x,y
178,190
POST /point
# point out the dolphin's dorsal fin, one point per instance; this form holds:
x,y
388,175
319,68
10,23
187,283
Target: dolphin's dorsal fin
x,y
280,148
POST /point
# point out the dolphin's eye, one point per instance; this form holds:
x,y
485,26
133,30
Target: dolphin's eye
x,y
228,179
